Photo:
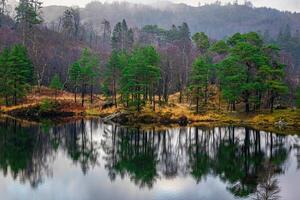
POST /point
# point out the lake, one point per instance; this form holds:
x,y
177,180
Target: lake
x,y
88,160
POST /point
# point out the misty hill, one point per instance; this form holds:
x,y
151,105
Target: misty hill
x,y
216,20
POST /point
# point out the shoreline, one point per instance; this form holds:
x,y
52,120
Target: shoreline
x,y
40,106
264,122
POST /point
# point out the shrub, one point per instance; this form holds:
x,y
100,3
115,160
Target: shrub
x,y
48,105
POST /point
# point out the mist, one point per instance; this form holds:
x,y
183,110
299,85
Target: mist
x,y
289,5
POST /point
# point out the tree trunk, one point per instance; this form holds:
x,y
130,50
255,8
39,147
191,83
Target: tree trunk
x,y
247,105
153,99
91,93
180,96
15,94
197,101
272,103
6,100
159,96
75,95
165,91
233,106
138,102
206,95
115,93
82,94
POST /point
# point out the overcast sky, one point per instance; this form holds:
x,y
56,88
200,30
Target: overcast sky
x,y
291,5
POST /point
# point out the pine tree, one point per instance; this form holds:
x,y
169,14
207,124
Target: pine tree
x,y
113,73
200,77
4,71
250,71
122,37
75,78
56,85
20,73
202,41
140,76
27,16
232,76
271,75
85,72
246,50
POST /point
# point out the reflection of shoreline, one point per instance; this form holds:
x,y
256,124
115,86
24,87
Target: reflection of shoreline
x,y
238,156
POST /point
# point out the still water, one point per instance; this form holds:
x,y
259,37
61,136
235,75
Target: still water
x,y
89,160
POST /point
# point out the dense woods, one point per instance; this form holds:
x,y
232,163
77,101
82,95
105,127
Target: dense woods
x,y
134,67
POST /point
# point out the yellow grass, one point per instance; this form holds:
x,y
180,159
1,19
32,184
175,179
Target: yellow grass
x,y
212,114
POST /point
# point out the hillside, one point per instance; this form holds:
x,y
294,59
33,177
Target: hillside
x,y
216,20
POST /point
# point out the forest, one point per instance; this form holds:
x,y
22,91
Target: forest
x,y
149,67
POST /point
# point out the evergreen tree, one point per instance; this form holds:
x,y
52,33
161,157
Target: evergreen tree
x,y
220,47
271,75
122,37
232,77
20,72
56,84
202,41
75,78
246,50
4,71
113,73
250,71
86,71
200,77
27,15
140,76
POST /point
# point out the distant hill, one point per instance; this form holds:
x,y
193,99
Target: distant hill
x,y
216,20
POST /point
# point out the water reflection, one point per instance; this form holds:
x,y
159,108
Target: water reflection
x,y
247,161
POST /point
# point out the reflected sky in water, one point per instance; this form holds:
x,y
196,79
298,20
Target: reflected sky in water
x,y
87,160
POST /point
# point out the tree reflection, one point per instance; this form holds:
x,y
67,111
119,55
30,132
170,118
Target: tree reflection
x,y
28,152
246,160
24,152
132,153
80,144
237,158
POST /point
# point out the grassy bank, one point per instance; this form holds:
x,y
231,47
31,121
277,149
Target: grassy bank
x,y
41,104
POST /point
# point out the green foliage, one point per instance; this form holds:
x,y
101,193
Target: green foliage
x,y
88,67
27,12
113,73
84,72
220,47
4,71
250,70
48,106
202,41
17,73
140,74
231,75
122,37
200,78
75,74
55,83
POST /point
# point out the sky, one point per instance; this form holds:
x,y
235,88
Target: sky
x,y
290,5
